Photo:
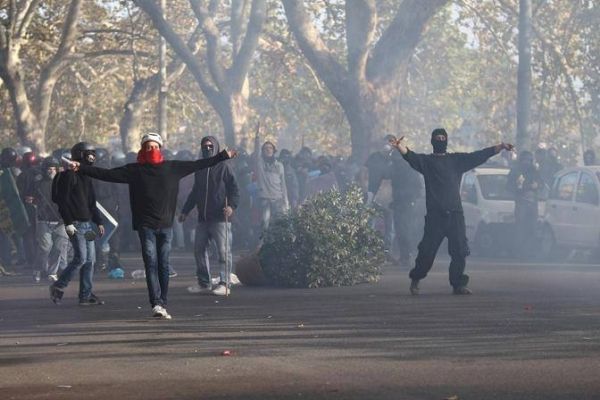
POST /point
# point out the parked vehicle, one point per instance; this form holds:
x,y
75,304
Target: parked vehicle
x,y
489,210
572,216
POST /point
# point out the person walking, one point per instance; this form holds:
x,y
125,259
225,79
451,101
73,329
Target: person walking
x,y
445,219
153,187
216,195
76,201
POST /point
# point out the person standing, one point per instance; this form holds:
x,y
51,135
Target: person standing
x,y
525,182
51,238
76,201
407,187
216,195
153,187
445,219
270,180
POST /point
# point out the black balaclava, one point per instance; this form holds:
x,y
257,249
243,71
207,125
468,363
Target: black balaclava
x,y
439,146
527,161
205,150
589,157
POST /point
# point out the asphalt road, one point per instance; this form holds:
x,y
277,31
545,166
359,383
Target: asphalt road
x,y
528,332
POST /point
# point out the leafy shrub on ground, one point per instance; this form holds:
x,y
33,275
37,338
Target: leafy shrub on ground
x,y
328,241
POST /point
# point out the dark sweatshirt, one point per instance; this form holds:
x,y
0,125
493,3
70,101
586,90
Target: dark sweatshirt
x,y
443,174
211,186
75,197
153,189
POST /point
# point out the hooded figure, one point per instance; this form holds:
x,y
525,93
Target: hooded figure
x,y
443,172
216,195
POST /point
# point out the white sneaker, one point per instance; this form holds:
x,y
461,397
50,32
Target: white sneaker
x,y
221,290
52,278
160,312
197,288
234,280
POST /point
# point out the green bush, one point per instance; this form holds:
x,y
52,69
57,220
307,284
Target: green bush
x,y
326,242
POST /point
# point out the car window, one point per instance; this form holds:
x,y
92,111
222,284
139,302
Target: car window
x,y
468,191
494,187
587,192
564,187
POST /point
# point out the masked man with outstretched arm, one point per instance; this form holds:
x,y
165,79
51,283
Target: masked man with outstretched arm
x,y
153,188
445,219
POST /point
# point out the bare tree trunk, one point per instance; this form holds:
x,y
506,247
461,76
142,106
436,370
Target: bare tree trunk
x,y
129,126
28,129
369,86
223,87
524,76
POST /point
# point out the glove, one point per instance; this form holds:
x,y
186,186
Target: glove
x,y
70,229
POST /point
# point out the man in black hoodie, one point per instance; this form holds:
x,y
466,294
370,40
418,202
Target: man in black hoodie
x,y
153,187
215,193
443,173
76,201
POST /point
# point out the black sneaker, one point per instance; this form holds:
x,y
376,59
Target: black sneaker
x,y
93,300
414,287
173,273
56,294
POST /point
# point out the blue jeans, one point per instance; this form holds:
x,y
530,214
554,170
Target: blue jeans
x,y
217,232
156,247
84,256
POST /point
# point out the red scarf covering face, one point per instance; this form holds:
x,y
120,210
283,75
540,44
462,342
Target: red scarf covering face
x,y
153,157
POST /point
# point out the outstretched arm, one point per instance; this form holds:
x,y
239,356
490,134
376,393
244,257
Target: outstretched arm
x,y
117,175
183,168
468,161
413,159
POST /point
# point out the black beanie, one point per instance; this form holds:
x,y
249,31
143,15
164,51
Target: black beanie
x,y
439,131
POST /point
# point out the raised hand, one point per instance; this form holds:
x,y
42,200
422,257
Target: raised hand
x,y
399,145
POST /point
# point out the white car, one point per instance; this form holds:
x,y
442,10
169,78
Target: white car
x,y
489,210
572,216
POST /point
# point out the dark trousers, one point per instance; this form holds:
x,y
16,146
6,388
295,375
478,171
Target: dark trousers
x,y
438,226
526,216
156,247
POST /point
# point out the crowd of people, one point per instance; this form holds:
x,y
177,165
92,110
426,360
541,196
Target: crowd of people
x,y
210,205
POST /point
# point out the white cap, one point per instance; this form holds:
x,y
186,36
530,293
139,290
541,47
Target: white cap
x,y
152,137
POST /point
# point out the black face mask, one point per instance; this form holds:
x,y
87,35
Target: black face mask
x,y
89,158
207,152
439,146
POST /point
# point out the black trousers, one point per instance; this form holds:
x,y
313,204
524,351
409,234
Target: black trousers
x,y
438,226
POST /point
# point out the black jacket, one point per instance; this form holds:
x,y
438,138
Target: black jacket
x,y
443,174
75,197
211,187
153,189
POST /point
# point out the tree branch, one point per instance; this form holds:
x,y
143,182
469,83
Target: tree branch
x,y
314,49
241,63
25,17
50,73
163,27
213,49
399,40
361,21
